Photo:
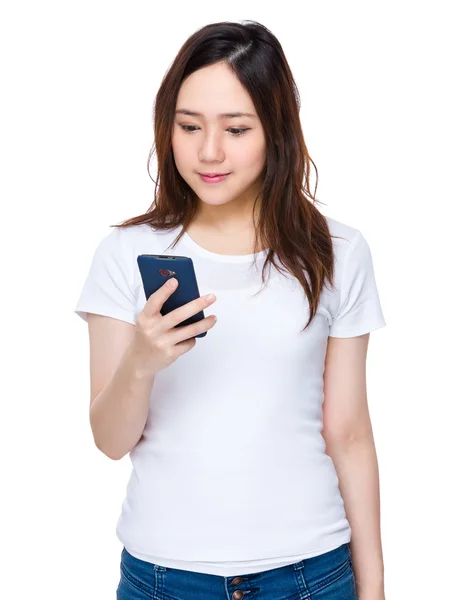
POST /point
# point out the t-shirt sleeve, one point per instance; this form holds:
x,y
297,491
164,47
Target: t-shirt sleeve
x,y
360,310
108,288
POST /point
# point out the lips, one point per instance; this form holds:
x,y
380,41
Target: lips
x,y
213,178
213,174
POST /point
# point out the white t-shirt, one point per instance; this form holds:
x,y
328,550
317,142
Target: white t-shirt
x,y
231,475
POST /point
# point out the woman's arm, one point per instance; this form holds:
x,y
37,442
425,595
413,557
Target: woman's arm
x,y
120,386
349,441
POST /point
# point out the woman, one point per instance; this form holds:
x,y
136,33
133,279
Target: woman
x,y
244,443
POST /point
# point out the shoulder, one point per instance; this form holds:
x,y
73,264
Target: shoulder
x,y
343,233
136,238
352,251
132,233
345,238
123,245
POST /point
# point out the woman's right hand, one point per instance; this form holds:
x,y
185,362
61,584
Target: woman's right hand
x,y
157,342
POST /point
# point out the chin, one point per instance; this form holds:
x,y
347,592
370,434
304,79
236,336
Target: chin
x,y
214,201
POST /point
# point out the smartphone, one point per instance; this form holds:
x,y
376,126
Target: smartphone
x,y
156,269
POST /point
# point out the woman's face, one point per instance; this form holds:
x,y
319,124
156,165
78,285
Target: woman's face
x,y
211,143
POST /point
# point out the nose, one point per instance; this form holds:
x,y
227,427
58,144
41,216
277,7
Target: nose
x,y
211,148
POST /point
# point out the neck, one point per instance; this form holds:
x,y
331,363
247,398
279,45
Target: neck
x,y
233,217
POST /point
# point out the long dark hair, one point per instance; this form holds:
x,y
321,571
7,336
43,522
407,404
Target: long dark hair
x,y
289,225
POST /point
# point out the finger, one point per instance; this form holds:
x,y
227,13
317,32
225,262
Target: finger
x,y
157,299
180,314
180,334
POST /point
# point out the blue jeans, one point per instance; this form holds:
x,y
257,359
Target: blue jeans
x,y
328,576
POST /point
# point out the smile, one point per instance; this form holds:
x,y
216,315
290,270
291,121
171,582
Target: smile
x,y
215,179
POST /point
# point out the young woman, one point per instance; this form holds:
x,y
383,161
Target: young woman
x,y
254,468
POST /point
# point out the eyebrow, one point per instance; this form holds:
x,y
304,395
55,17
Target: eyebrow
x,y
232,115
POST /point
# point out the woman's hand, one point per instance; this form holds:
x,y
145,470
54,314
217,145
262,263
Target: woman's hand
x,y
157,342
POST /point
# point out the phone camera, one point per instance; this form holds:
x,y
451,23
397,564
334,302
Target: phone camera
x,y
166,272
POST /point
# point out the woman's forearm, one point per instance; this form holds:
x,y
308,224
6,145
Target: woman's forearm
x,y
118,414
357,469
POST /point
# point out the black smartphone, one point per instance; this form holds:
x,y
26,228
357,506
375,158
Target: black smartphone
x,y
156,269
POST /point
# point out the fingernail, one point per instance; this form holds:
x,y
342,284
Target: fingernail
x,y
172,282
210,297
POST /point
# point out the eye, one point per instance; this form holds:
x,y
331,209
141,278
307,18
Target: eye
x,y
234,130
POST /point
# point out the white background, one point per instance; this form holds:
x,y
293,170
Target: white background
x,y
378,89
